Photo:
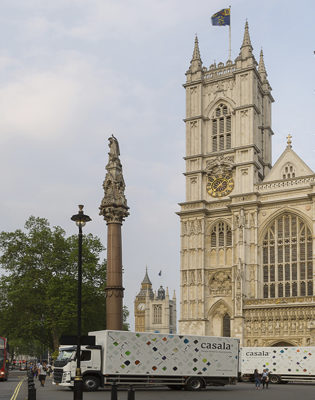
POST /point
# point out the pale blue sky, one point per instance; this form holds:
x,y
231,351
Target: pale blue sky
x,y
73,72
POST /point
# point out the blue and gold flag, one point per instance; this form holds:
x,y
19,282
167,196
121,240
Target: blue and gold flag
x,y
221,17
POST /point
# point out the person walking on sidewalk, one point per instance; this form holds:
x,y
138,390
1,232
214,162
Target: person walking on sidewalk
x,y
42,372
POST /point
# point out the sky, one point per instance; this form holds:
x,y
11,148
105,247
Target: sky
x,y
74,72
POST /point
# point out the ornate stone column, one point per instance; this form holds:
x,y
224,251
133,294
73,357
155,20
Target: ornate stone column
x,y
114,210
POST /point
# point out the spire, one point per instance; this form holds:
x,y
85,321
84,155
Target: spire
x,y
261,67
289,141
195,63
196,53
146,279
246,49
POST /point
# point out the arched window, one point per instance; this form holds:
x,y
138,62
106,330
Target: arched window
x,y
226,325
288,171
157,313
287,267
219,242
221,236
221,128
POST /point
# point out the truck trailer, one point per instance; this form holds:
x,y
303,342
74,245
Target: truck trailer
x,y
284,364
148,359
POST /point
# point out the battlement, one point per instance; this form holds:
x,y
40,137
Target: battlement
x,y
217,71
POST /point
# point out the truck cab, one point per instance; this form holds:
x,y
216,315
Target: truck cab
x,y
66,363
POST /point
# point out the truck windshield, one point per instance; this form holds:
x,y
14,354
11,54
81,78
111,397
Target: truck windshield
x,y
66,354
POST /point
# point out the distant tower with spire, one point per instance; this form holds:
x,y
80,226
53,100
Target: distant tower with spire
x,y
154,312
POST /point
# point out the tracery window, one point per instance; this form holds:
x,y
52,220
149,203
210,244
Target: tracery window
x,y
157,313
221,128
221,236
287,269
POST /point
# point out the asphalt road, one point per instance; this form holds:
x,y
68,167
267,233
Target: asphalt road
x,y
241,391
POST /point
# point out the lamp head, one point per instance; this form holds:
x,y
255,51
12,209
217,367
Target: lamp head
x,y
80,219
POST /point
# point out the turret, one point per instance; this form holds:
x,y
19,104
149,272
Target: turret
x,y
261,67
246,52
263,73
246,49
161,293
195,63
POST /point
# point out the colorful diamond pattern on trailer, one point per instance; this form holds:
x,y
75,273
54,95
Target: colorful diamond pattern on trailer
x,y
159,354
279,360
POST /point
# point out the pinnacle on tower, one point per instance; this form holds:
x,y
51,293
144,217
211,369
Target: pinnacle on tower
x,y
261,67
195,63
146,278
246,49
196,53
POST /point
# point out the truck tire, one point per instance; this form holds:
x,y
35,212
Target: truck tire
x,y
91,383
194,383
275,379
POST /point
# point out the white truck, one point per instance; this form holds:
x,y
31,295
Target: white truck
x,y
147,359
284,364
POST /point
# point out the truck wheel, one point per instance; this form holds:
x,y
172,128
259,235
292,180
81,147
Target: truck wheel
x,y
275,379
91,383
194,384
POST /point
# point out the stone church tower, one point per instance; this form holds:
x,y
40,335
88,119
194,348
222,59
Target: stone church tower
x,y
154,312
247,227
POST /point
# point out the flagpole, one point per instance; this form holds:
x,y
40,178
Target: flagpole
x,y
230,36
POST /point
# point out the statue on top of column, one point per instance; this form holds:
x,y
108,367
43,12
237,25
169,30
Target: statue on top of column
x,y
114,152
114,204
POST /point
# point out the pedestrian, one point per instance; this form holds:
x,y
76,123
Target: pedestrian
x,y
42,372
267,379
35,370
257,379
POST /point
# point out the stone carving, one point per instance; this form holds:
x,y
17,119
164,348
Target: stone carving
x,y
220,282
114,204
279,324
298,182
191,278
114,152
220,165
288,300
184,277
192,227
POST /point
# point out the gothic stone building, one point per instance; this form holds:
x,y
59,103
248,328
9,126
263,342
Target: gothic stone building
x,y
154,312
247,227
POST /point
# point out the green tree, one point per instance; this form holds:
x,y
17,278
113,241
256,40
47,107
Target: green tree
x,y
38,292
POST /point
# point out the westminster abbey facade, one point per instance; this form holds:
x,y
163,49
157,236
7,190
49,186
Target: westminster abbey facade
x,y
247,226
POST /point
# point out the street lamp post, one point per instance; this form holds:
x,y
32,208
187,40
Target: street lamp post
x,y
80,219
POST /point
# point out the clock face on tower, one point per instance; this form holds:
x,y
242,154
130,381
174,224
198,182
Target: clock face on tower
x,y
220,185
141,307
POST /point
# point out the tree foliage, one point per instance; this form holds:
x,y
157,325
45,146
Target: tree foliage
x,y
38,291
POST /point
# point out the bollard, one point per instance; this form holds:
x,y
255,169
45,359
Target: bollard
x,y
113,395
131,393
31,388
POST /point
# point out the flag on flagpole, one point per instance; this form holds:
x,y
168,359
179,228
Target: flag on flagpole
x,y
221,18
